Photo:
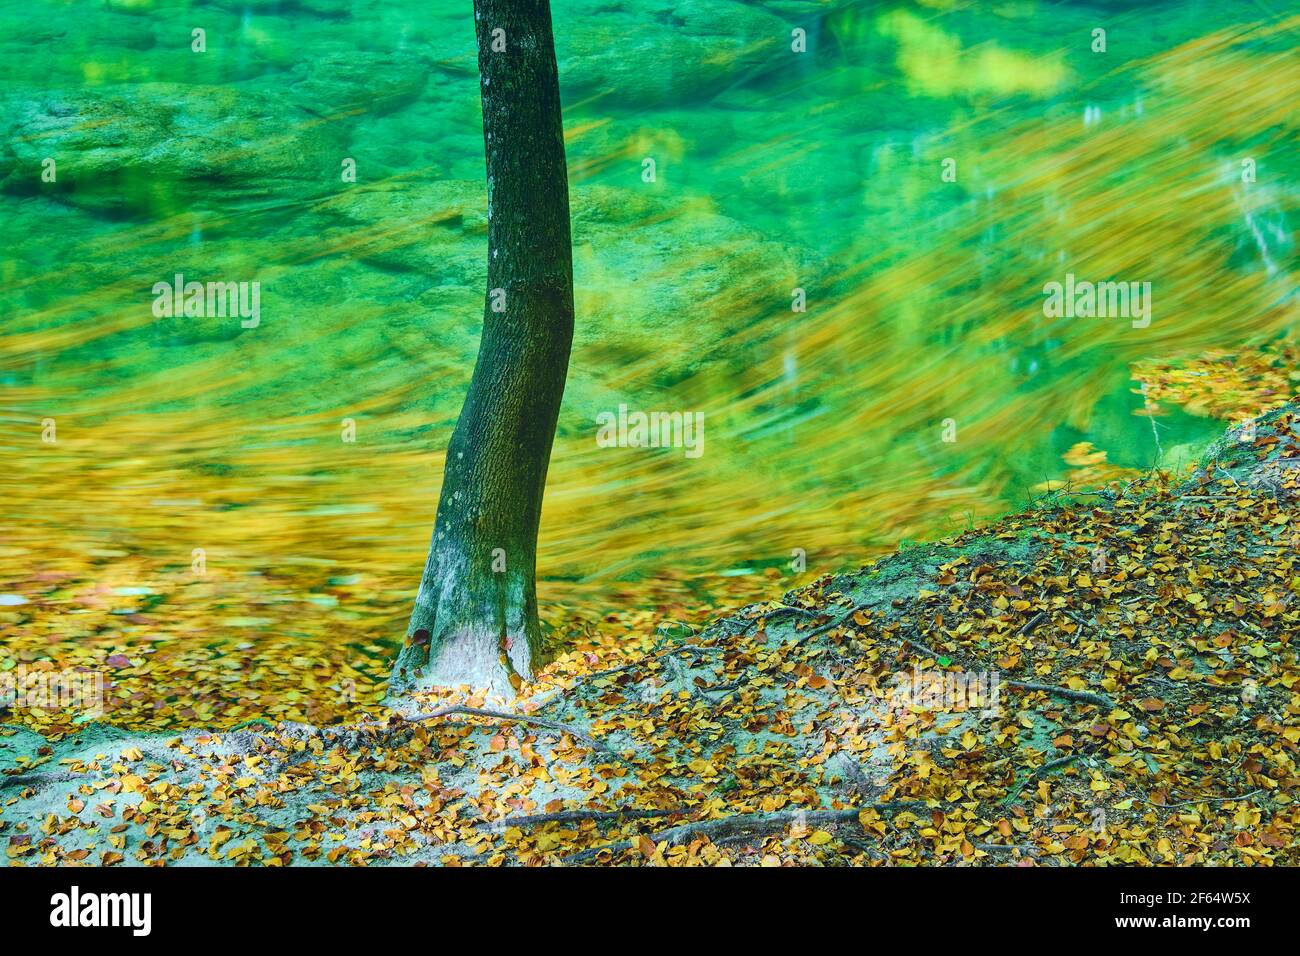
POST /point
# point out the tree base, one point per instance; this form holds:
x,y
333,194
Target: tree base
x,y
465,643
467,656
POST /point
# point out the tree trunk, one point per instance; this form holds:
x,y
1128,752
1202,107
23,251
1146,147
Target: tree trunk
x,y
475,617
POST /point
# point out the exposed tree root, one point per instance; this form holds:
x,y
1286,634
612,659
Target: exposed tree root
x,y
33,779
749,825
461,709
1041,771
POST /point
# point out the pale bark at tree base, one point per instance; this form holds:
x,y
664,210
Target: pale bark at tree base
x,y
489,646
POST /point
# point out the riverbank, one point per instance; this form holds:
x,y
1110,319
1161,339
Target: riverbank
x,y
1103,679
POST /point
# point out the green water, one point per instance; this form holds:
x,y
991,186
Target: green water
x,y
774,169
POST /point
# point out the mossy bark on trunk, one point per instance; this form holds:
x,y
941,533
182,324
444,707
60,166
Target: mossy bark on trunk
x,y
475,617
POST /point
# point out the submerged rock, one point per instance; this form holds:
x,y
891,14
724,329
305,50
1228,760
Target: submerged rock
x,y
634,56
660,52
160,148
350,82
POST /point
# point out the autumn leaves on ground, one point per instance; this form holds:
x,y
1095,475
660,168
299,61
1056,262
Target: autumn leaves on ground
x,y
1127,697
242,720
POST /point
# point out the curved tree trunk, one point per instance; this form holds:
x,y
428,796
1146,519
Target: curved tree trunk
x,y
475,617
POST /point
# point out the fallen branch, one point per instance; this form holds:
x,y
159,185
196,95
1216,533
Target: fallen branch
x,y
1026,849
829,625
788,609
748,825
1192,803
1101,700
577,816
1032,623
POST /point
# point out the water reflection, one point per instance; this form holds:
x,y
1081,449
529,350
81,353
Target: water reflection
x,y
775,171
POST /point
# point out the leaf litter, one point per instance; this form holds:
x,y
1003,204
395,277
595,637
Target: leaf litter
x,y
1144,714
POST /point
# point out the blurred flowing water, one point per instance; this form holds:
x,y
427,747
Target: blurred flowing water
x,y
774,170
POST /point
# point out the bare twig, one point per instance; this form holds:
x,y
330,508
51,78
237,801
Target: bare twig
x,y
931,652
782,608
1032,623
823,628
1101,700
724,688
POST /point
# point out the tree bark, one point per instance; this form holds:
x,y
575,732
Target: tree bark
x,y
475,617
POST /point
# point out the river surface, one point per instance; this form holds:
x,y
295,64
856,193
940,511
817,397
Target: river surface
x,y
839,261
